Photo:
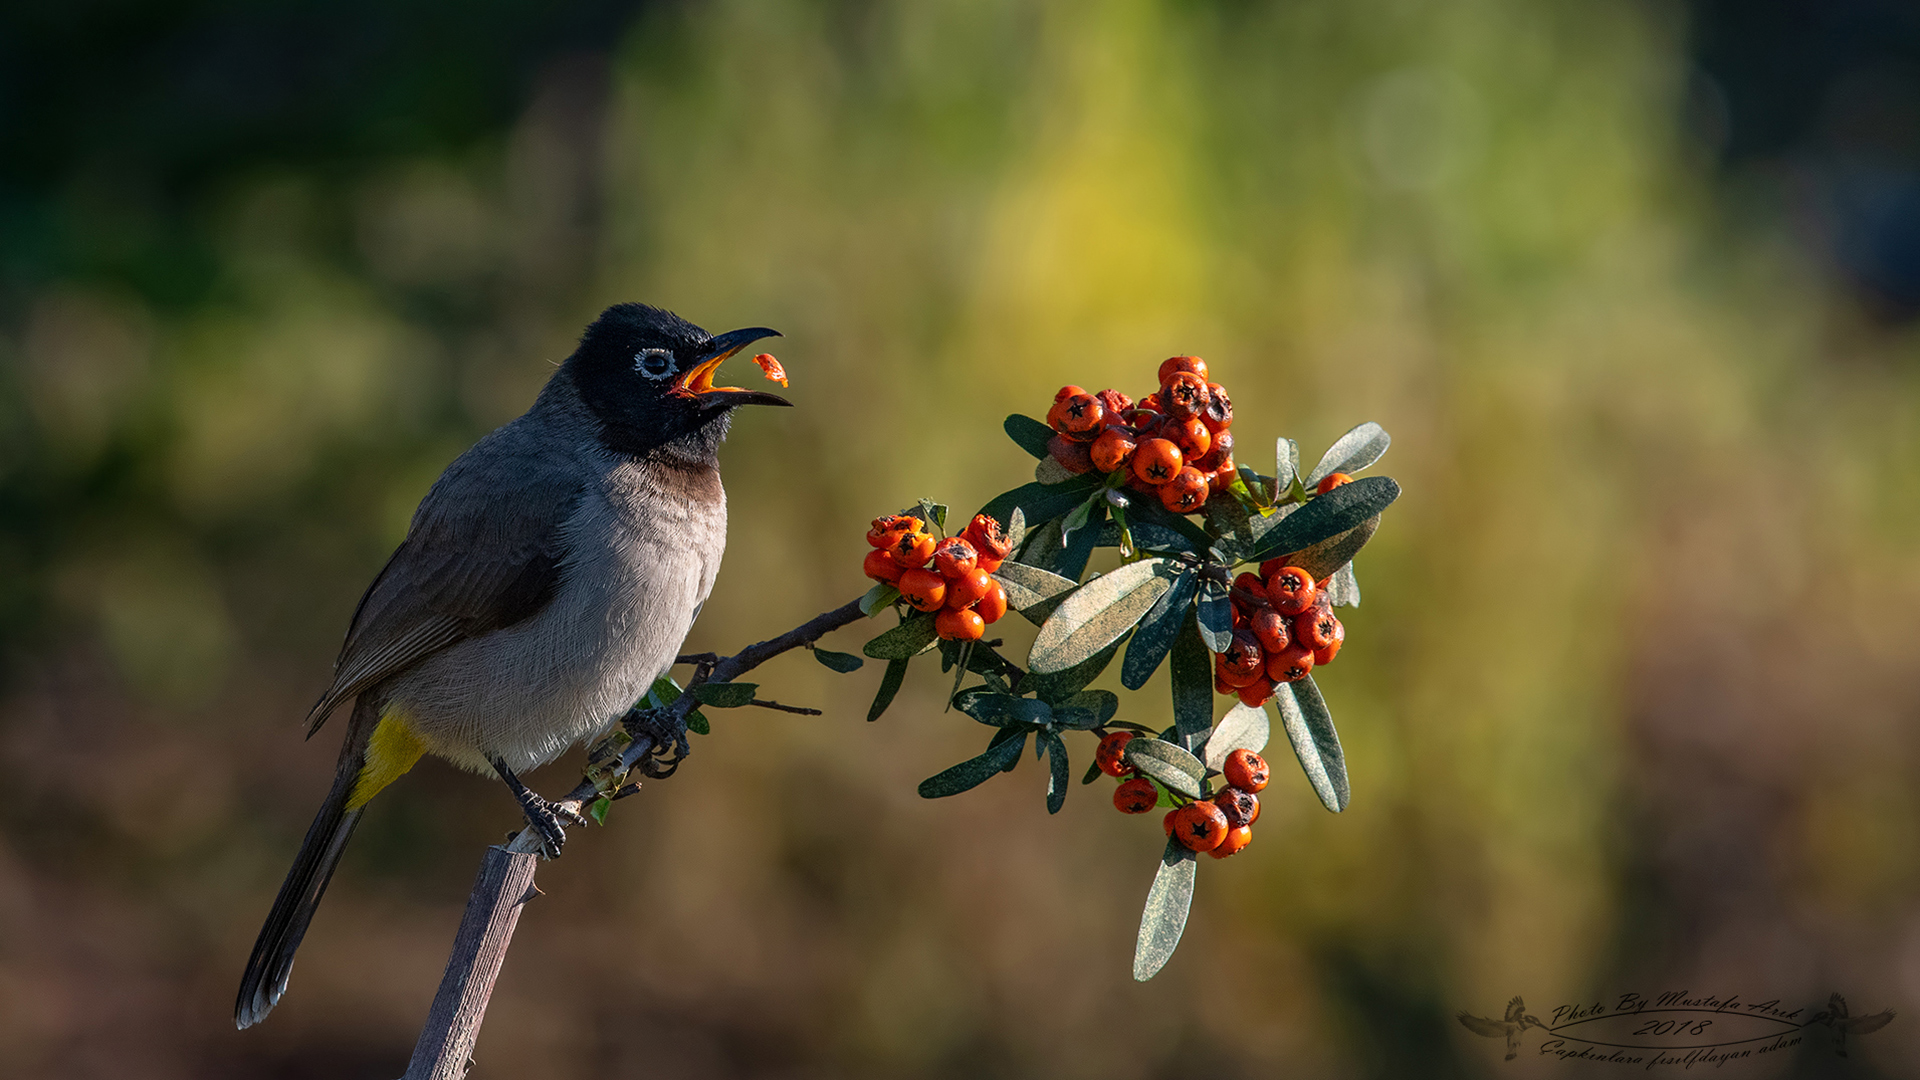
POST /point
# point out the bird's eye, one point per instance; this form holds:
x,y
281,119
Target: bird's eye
x,y
653,363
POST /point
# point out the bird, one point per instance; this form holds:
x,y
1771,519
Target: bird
x,y
546,580
1835,1017
1516,1022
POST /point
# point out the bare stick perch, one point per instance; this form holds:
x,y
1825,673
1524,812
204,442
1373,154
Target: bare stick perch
x,y
505,882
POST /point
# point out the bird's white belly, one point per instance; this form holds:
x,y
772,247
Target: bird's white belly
x,y
527,693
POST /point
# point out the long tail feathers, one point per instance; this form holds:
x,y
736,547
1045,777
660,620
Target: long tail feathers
x,y
272,960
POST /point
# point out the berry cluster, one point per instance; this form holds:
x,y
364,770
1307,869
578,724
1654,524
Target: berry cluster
x,y
959,583
1219,826
1173,443
1283,628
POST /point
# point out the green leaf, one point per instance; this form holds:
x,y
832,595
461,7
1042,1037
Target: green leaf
x,y
1087,709
1077,518
1092,773
933,512
1327,556
1192,669
1043,502
1286,463
1345,507
1079,548
1309,727
838,661
1016,530
973,772
889,686
1056,772
1165,916
909,639
1002,735
878,599
1344,587
697,723
598,810
662,693
1097,613
1165,763
1157,631
1351,452
1059,686
1001,710
1029,434
1243,728
1147,511
726,695
1031,591
1214,616
1049,471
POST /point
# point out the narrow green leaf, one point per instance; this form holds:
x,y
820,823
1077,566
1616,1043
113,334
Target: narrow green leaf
x,y
1092,773
1048,470
1077,519
838,661
1148,511
1309,727
1192,669
1001,736
1029,434
1031,591
1329,515
1056,772
1243,728
1095,615
934,512
1157,631
1043,502
1042,547
889,686
1351,452
662,693
909,639
726,695
1286,465
973,772
1087,709
1165,916
1059,686
1166,763
1214,616
1016,530
1345,587
697,723
878,599
1079,548
1001,710
1327,556
598,810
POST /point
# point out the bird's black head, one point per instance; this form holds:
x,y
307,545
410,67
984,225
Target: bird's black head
x,y
647,376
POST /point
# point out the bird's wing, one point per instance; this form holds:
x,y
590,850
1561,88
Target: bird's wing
x,y
1480,1025
1516,1009
1837,1005
1860,1025
484,552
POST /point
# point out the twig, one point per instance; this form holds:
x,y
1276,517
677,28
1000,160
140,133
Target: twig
x,y
506,874
803,711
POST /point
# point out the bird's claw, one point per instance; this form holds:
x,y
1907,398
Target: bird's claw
x,y
544,818
668,730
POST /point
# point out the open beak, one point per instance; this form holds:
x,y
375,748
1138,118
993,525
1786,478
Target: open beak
x,y
697,383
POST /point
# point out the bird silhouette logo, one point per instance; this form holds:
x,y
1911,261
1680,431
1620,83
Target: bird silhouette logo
x,y
1517,1020
1835,1017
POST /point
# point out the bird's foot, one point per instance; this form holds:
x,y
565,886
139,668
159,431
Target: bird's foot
x,y
668,730
542,816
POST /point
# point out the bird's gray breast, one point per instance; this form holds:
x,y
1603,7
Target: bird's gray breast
x,y
643,546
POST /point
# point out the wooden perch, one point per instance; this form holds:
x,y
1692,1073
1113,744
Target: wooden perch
x,y
505,882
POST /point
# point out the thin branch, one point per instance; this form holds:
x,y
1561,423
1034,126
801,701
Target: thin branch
x,y
802,710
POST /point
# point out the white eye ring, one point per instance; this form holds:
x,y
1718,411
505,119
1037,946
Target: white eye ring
x,y
655,364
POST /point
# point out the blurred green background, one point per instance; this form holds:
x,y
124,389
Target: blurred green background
x,y
1630,705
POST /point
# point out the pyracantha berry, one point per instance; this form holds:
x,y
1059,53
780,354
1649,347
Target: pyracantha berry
x,y
1331,481
1324,655
1174,364
880,566
1136,796
989,542
1071,455
1156,461
968,589
1243,660
1291,590
1193,439
1291,664
1258,693
1239,805
1314,628
1231,843
1110,755
1218,414
1271,629
1186,492
1246,770
993,605
961,624
923,589
954,557
1112,449
1200,826
1185,395
912,550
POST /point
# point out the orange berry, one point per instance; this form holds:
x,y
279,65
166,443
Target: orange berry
x,y
1136,796
1246,770
1078,417
1219,451
1193,439
1271,567
912,550
1218,413
1271,630
1234,681
1324,655
1110,754
993,605
1291,664
1152,403
959,624
1200,826
1331,481
1291,590
968,589
988,541
1221,479
880,566
953,557
1186,492
1231,843
1243,661
1185,395
1238,804
1173,364
1066,392
888,528
1258,694
1071,455
1156,461
1116,404
1167,821
1220,685
1314,628
1256,810
923,589
1112,449
1249,590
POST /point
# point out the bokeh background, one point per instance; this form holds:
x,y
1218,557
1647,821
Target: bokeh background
x,y
1630,704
